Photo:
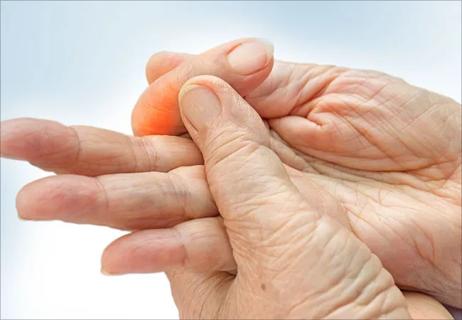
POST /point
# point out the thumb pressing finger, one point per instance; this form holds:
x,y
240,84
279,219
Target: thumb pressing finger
x,y
283,246
248,181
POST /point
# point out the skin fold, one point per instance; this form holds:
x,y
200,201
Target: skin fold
x,y
377,156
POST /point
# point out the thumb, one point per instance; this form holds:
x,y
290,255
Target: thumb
x,y
282,245
248,181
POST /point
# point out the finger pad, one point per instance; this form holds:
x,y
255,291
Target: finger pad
x,y
157,113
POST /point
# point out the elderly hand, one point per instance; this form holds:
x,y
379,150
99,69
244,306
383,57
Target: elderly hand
x,y
388,152
292,259
380,213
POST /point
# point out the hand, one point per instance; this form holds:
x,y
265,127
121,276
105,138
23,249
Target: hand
x,y
164,203
388,151
124,200
293,261
131,200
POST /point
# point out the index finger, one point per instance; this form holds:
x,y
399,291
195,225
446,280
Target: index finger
x,y
243,63
92,151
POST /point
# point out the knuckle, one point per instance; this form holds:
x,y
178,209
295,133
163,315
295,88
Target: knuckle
x,y
181,192
149,156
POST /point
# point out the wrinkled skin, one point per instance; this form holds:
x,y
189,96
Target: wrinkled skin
x,y
280,241
388,152
380,202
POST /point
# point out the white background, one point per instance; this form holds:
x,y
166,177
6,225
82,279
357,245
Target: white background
x,y
83,63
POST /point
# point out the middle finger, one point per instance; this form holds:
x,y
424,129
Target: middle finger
x,y
125,201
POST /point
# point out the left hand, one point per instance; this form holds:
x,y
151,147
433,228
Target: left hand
x,y
292,259
389,152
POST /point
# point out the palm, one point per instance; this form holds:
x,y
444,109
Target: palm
x,y
390,154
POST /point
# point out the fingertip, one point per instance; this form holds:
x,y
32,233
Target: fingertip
x,y
30,201
117,257
201,82
109,261
251,56
104,272
12,137
156,122
156,112
163,62
140,126
200,107
146,251
31,139
22,207
244,63
223,99
209,82
155,64
64,197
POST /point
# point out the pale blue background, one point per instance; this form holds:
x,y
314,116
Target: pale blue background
x,y
83,63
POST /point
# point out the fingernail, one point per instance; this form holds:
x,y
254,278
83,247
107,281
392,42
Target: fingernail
x,y
199,105
250,57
